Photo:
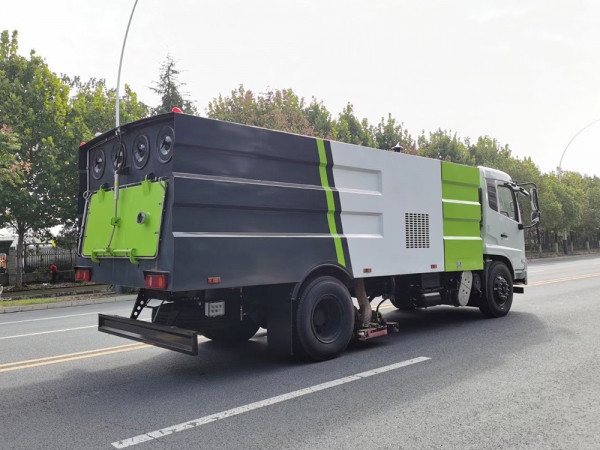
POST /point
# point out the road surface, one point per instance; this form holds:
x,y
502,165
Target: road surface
x,y
449,380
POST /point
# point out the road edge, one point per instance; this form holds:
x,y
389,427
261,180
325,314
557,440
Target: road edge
x,y
66,304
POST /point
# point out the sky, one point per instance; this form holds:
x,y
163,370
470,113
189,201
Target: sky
x,y
524,72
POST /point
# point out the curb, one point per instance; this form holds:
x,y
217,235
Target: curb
x,y
41,306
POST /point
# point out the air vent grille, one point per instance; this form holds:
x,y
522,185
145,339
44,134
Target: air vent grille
x,y
417,230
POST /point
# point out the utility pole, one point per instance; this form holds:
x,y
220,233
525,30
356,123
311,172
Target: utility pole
x,y
119,289
565,248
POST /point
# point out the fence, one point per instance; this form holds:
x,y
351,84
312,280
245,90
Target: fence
x,y
548,240
64,259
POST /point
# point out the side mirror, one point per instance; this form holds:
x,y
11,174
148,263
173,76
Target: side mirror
x,y
535,205
535,217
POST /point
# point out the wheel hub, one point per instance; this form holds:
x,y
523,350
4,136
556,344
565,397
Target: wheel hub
x,y
326,319
501,290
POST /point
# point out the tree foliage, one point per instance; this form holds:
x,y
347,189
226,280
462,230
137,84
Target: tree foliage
x,y
168,87
42,125
34,104
10,170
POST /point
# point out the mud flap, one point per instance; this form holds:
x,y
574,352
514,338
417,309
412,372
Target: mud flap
x,y
280,326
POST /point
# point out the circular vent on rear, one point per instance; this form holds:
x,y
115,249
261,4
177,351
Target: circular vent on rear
x,y
164,144
119,156
141,151
98,163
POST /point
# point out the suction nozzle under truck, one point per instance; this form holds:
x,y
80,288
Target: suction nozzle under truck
x,y
233,228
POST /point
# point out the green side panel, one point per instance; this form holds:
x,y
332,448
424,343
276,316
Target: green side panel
x,y
131,239
339,250
463,246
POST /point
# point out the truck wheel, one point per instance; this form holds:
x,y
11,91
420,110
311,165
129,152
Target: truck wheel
x,y
498,293
239,332
324,319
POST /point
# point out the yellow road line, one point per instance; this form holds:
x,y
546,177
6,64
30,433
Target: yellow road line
x,y
562,280
70,357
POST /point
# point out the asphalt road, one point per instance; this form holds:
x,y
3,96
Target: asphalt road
x,y
530,380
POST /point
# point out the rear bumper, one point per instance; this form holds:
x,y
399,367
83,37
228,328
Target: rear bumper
x,y
171,338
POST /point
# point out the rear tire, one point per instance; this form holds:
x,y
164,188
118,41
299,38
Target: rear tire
x,y
498,291
324,319
239,332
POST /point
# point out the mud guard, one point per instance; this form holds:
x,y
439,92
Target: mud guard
x,y
280,316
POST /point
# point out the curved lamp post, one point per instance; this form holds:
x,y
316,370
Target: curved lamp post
x,y
119,289
560,173
121,63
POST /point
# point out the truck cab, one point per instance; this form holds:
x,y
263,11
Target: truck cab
x,y
503,225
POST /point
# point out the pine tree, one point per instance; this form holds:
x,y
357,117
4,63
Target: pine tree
x,y
168,87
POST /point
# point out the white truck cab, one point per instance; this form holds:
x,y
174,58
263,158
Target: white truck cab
x,y
502,222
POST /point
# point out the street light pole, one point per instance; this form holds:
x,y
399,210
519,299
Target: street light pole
x,y
119,289
560,174
121,63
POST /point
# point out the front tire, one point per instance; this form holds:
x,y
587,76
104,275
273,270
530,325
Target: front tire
x,y
239,332
499,291
324,319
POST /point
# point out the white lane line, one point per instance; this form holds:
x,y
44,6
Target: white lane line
x,y
260,404
46,332
48,318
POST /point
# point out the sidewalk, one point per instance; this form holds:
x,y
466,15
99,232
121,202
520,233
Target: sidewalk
x,y
66,303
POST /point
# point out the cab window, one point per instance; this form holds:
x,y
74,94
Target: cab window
x,y
506,203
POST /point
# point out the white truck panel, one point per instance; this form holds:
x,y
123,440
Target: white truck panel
x,y
377,191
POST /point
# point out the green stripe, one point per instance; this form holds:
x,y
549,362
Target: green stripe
x,y
330,203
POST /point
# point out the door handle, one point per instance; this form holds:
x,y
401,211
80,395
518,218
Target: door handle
x,y
504,235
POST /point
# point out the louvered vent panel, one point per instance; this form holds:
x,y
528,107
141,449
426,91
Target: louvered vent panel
x,y
417,230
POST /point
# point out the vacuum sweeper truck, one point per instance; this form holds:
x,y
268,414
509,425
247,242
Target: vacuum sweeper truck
x,y
231,228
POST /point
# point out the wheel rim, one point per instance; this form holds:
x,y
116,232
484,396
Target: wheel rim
x,y
501,290
327,318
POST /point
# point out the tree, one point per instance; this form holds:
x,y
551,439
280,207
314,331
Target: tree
x,y
91,110
445,146
319,119
388,134
168,87
34,103
10,170
487,152
348,128
280,110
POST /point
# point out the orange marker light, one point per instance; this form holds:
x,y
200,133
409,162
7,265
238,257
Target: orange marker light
x,y
82,275
156,281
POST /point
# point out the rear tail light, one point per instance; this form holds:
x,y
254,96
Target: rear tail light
x,y
154,281
83,275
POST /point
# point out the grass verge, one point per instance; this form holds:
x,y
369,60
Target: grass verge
x,y
36,301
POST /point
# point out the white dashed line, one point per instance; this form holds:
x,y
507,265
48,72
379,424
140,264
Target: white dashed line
x,y
46,332
48,318
260,404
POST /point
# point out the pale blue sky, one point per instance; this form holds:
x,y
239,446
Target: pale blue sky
x,y
524,72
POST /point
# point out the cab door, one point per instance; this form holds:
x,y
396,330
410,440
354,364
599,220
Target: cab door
x,y
504,230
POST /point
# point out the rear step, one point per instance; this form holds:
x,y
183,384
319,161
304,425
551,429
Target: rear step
x,y
171,338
